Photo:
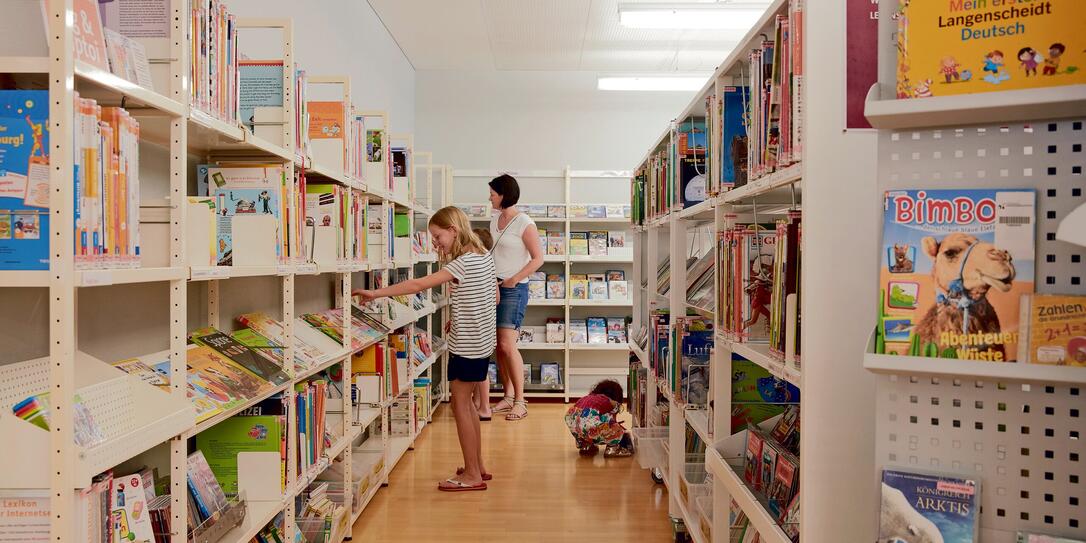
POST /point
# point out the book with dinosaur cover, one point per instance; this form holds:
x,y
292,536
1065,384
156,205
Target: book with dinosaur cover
x,y
963,47
1053,330
928,507
954,265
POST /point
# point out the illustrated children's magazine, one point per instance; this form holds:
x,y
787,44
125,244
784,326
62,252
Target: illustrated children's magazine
x,y
1053,330
24,180
953,266
921,507
244,192
962,47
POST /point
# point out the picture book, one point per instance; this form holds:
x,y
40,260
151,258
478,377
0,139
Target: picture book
x,y
753,459
242,192
550,374
256,362
597,290
691,137
578,211
542,239
1024,537
618,290
928,507
785,477
614,211
24,180
597,211
1052,330
734,137
597,243
399,162
556,286
216,378
142,367
954,265
221,444
556,331
595,277
768,465
616,330
527,374
129,512
947,48
204,487
578,331
597,330
128,59
578,243
375,145
556,211
537,290
556,243
616,239
694,176
89,38
257,342
615,275
492,374
578,287
260,86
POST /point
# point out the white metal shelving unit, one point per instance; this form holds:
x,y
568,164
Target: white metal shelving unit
x,y
832,185
96,316
583,364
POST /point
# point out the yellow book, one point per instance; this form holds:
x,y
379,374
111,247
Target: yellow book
x,y
365,361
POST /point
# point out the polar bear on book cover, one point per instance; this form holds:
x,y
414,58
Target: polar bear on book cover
x,y
900,523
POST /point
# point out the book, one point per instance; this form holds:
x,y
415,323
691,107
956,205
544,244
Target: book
x,y
615,275
260,93
1052,330
214,60
618,290
928,507
753,459
142,367
556,243
219,380
492,374
550,374
556,331
399,162
203,486
88,36
129,508
257,362
597,290
616,239
556,286
537,290
954,266
257,342
597,330
578,243
242,194
1023,537
327,135
616,330
595,277
768,464
733,149
556,211
597,243
578,211
578,331
614,211
128,59
785,478
221,444
942,53
24,180
578,287
596,211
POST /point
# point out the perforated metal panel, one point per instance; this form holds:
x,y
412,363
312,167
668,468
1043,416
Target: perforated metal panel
x,y
1022,440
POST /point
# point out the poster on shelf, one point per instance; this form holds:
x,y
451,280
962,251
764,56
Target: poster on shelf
x,y
968,46
24,515
861,59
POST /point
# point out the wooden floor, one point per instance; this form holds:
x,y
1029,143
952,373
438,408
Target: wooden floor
x,y
542,490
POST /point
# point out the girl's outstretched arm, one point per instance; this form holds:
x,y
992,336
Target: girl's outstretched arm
x,y
410,286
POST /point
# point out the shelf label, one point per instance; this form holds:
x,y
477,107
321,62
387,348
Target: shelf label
x,y
284,269
96,278
212,272
308,268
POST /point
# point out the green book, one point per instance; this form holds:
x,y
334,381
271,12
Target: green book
x,y
402,225
253,340
222,443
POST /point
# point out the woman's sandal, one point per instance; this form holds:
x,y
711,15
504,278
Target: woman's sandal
x,y
452,485
514,415
486,476
506,404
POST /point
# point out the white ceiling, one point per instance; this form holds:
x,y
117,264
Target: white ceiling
x,y
543,35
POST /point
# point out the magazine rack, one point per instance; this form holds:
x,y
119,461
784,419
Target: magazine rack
x,y
132,416
219,524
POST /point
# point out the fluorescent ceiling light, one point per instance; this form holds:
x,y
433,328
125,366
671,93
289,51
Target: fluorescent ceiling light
x,y
691,16
687,83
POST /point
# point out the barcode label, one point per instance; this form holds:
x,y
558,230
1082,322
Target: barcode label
x,y
1015,221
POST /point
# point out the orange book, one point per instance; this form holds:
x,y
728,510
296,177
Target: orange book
x,y
326,120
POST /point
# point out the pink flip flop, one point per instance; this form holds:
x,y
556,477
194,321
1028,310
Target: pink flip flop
x,y
457,486
486,476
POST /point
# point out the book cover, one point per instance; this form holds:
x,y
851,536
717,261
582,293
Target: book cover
x,y
578,243
954,266
260,85
785,477
255,362
1053,330
597,211
578,287
130,515
143,370
257,342
597,290
537,290
618,290
221,444
616,275
24,180
614,211
550,374
128,59
556,211
616,239
768,464
1024,537
203,485
492,374
927,507
597,243
578,211
948,48
694,178
218,379
326,119
242,192
616,330
556,243
556,332
399,162
753,460
375,145
734,137
597,330
578,331
556,286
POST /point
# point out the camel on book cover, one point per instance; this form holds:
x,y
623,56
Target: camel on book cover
x,y
964,270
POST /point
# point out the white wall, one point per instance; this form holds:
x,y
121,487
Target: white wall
x,y
536,120
345,37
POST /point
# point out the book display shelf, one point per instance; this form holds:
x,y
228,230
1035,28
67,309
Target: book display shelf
x,y
728,187
353,386
579,314
1014,427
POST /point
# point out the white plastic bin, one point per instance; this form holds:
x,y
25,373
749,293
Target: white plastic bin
x,y
649,446
692,482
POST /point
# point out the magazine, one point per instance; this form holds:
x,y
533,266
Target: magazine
x,y
1053,330
928,507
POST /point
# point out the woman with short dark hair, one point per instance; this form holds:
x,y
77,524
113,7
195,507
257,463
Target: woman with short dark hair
x,y
517,254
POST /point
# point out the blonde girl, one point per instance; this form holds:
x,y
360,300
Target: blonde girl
x,y
471,338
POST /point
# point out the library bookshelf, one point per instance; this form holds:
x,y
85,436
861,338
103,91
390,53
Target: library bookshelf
x,y
836,400
73,322
582,364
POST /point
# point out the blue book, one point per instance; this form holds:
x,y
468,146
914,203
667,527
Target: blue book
x,y
928,507
260,85
734,140
24,180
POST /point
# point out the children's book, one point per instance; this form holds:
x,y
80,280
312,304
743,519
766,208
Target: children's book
x,y
597,211
527,374
752,469
597,290
327,134
1053,330
550,374
614,211
130,515
256,362
616,330
734,137
618,290
142,367
257,342
953,268
578,243
399,162
597,330
537,290
542,239
242,193
578,331
260,93
928,507
615,275
556,286
203,486
216,378
578,211
375,145
556,211
768,465
785,477
597,243
947,48
616,239
24,180
578,287
556,243
128,59
556,331
221,444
